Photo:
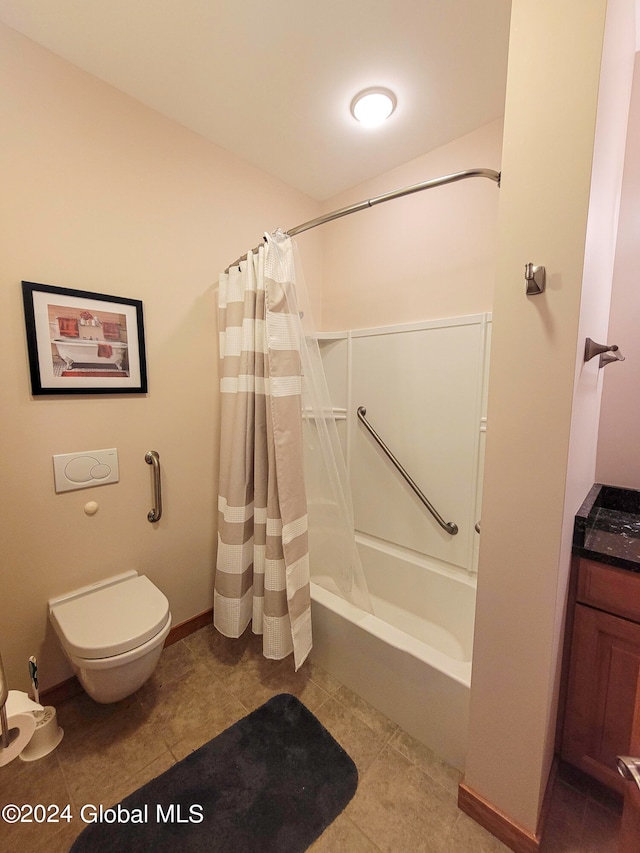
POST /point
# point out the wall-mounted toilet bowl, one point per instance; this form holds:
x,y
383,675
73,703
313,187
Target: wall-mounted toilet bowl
x,y
112,632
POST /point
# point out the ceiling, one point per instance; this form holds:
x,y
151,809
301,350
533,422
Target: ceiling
x,y
273,81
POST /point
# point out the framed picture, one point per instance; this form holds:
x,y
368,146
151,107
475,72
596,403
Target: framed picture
x,y
83,343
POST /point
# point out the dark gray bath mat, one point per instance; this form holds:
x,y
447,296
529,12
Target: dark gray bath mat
x,y
271,783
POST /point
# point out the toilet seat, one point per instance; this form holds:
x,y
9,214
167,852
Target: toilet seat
x,y
102,621
125,658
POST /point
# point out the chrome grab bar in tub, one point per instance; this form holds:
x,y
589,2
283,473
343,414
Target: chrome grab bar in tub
x,y
152,457
449,526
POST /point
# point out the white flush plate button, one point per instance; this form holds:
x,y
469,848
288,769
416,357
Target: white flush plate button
x,y
85,469
100,472
78,470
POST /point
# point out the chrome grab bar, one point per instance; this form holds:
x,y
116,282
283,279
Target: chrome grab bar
x,y
152,457
449,526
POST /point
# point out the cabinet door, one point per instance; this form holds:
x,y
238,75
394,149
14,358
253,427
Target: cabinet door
x,y
630,828
605,662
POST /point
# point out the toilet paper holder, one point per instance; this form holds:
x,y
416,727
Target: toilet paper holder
x,y
17,728
34,734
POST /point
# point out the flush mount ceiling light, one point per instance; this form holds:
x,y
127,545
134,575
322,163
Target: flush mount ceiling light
x,y
372,106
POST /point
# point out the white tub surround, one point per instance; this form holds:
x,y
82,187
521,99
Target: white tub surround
x,y
424,389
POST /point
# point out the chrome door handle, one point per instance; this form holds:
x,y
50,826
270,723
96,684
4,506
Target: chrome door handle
x,y
152,457
629,768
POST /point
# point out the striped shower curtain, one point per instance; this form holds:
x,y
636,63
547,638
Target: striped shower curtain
x,y
262,571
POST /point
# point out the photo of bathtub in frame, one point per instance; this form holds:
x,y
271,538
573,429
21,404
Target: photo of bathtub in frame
x,y
83,343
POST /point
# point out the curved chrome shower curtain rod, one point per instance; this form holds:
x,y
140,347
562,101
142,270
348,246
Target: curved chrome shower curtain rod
x,y
362,205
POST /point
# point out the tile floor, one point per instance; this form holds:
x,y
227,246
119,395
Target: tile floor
x,y
406,798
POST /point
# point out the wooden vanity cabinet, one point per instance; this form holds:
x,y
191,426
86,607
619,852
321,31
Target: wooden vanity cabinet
x,y
603,672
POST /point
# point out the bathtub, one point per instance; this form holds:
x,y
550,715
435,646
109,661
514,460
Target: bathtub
x,y
86,352
411,658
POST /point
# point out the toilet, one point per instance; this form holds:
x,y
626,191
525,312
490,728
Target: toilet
x,y
112,632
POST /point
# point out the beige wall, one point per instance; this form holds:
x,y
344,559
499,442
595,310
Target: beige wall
x,y
618,460
422,257
534,474
102,194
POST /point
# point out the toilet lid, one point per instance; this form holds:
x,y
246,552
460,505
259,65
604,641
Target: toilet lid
x,y
112,620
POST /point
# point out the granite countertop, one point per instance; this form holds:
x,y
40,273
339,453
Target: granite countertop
x,y
607,527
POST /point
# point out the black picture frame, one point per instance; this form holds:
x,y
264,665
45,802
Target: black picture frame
x,y
81,342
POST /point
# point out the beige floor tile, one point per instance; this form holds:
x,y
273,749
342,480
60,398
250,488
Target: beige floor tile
x,y
406,797
402,808
122,787
376,721
21,780
224,656
25,837
96,767
248,675
467,835
80,715
250,687
285,680
59,841
322,678
427,761
151,771
343,836
27,784
193,740
175,660
189,702
254,663
220,654
360,742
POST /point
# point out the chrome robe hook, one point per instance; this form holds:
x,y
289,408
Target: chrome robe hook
x,y
536,279
608,353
